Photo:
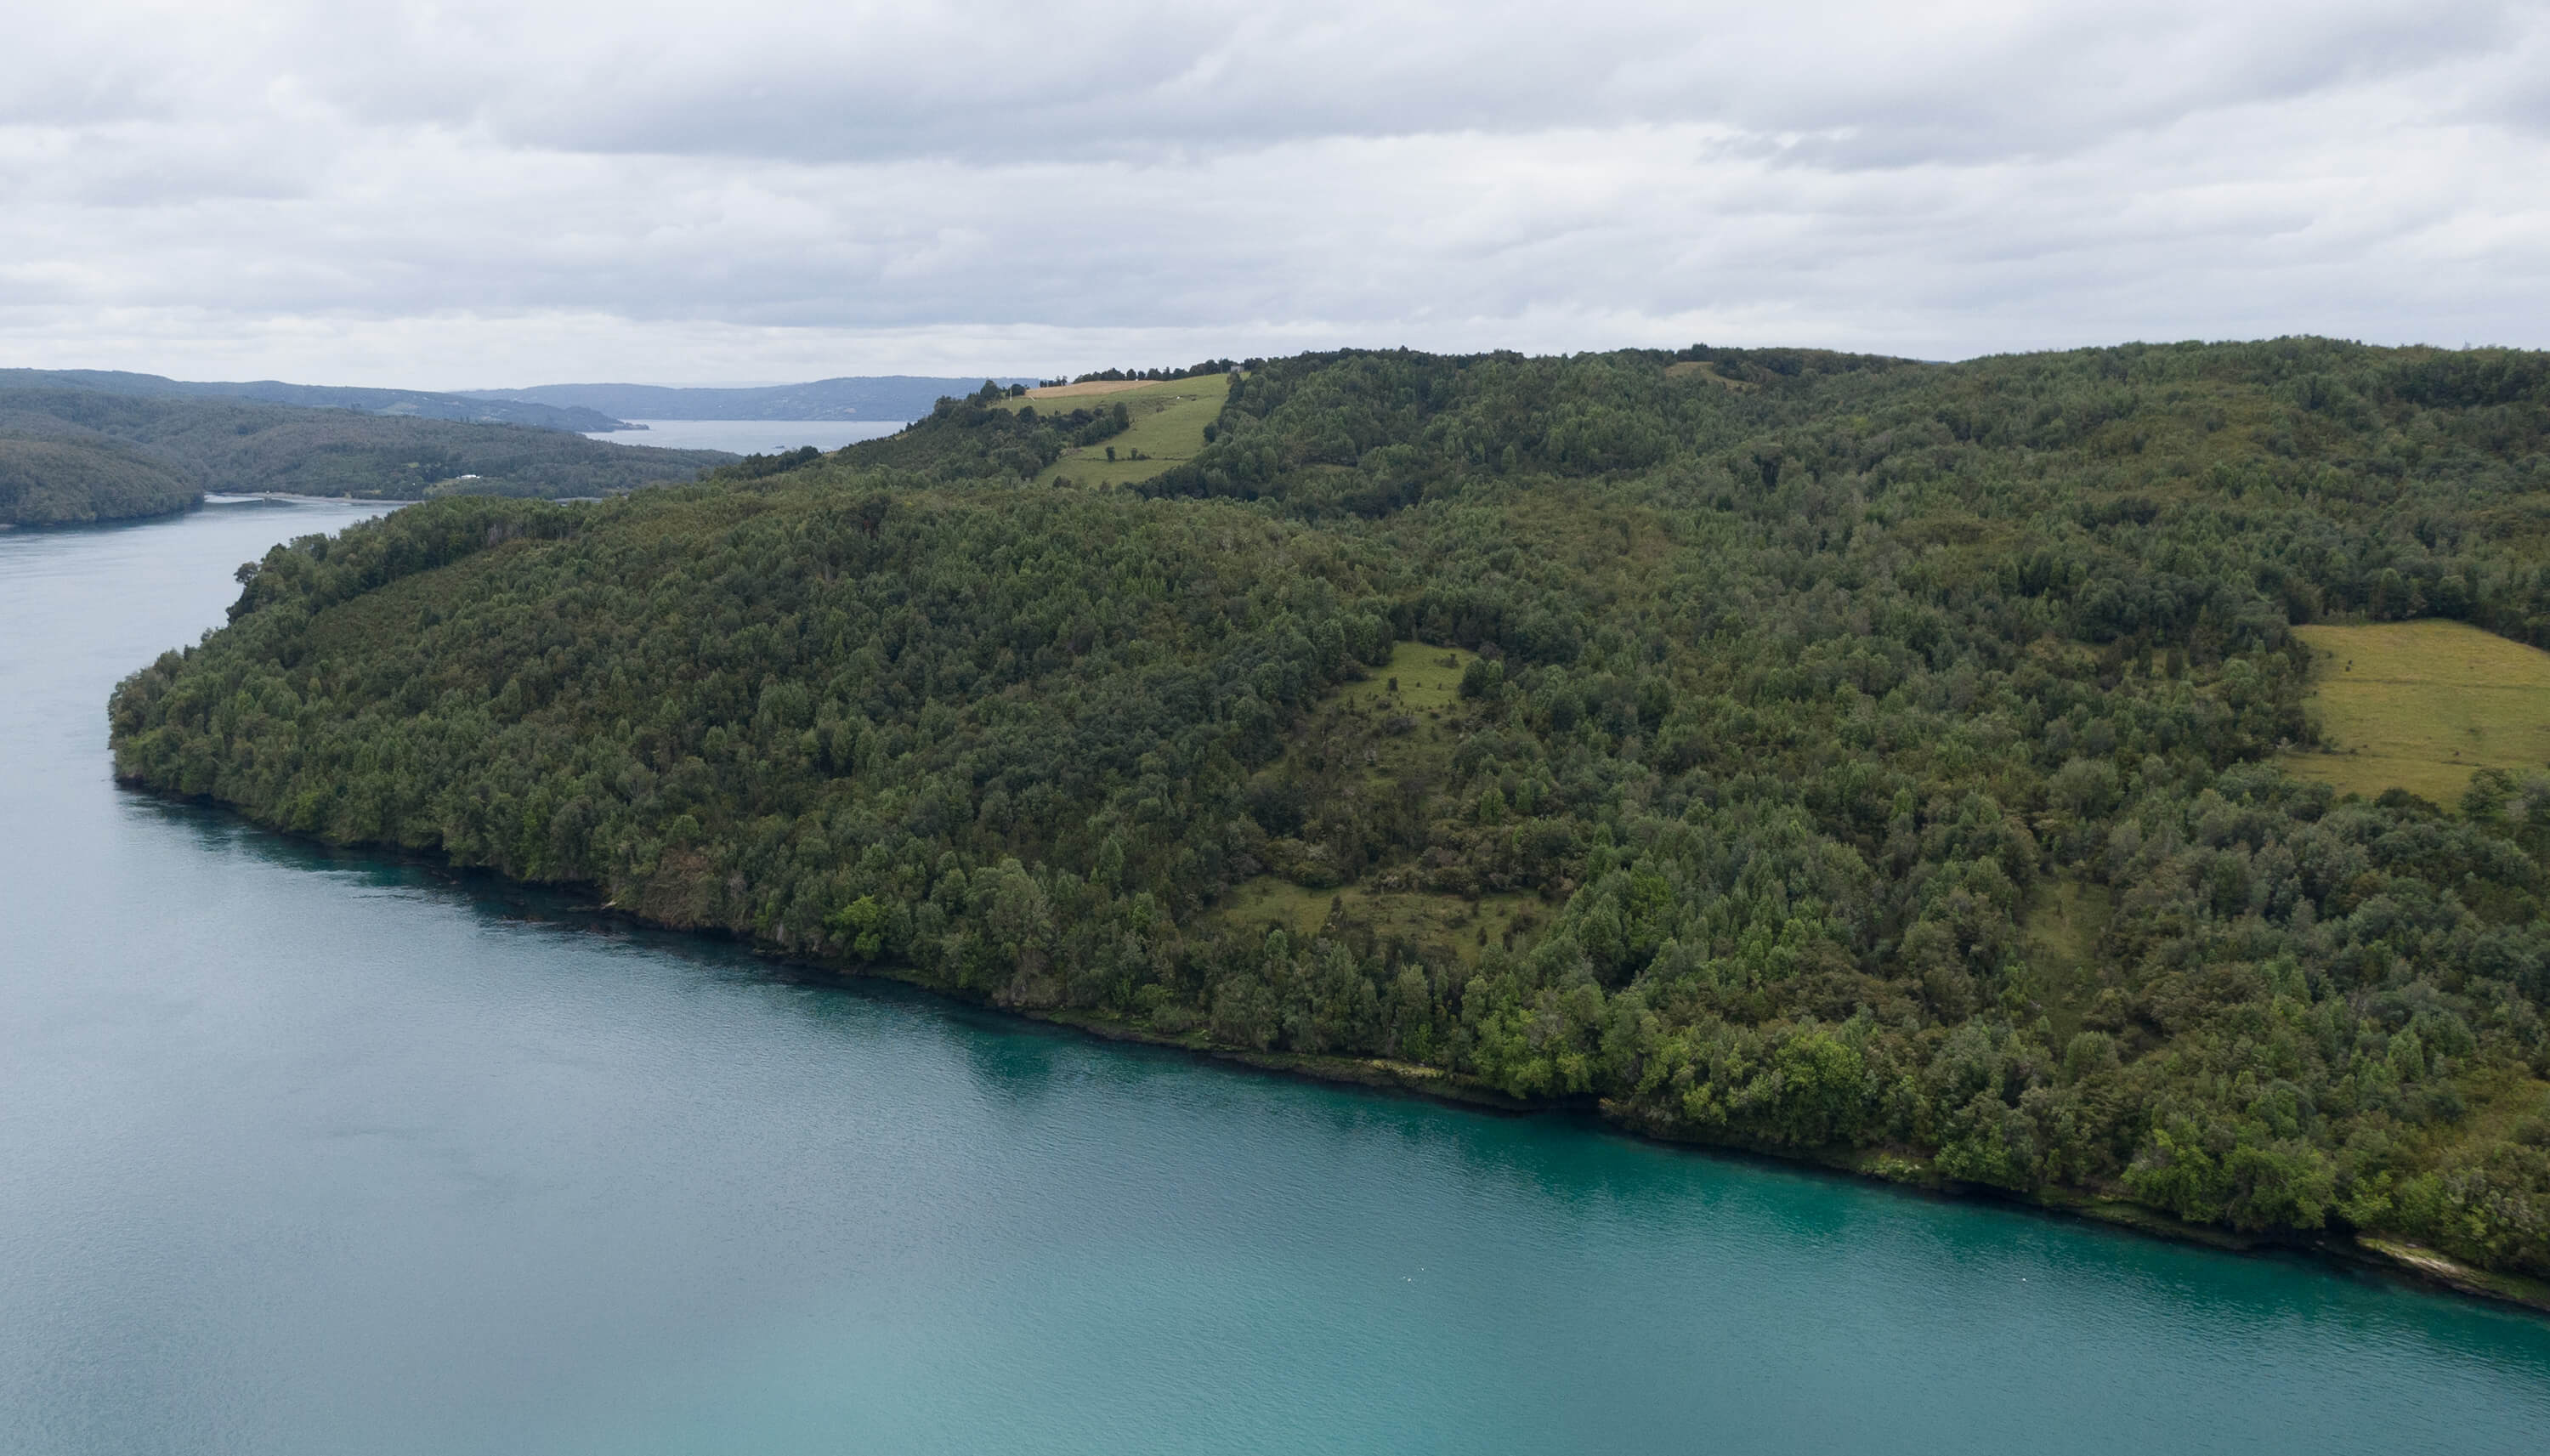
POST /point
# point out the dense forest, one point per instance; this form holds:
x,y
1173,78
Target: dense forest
x,y
1878,761
421,403
75,455
48,480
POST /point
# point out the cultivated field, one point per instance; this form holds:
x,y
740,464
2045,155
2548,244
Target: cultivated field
x,y
2419,705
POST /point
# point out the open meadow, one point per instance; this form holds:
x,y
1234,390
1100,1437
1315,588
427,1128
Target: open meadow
x,y
1168,415
2419,705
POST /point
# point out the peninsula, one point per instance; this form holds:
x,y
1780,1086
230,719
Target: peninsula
x,y
1932,769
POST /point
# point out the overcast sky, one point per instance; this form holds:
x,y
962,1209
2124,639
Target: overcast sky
x,y
469,193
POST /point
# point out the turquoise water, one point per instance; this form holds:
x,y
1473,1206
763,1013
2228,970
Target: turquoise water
x,y
308,1153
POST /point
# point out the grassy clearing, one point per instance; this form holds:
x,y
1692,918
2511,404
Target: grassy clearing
x,y
1384,739
1169,416
1694,370
2419,705
1419,918
2499,1101
1421,685
1428,681
2065,918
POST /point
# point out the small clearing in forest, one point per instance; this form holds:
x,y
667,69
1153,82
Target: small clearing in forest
x,y
2419,705
1168,420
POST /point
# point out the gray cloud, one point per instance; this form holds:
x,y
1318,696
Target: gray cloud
x,y
1175,79
476,193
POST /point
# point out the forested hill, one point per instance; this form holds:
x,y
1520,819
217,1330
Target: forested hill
x,y
862,397
423,404
48,480
68,456
1884,762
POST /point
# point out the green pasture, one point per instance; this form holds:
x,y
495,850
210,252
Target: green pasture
x,y
2419,705
1169,416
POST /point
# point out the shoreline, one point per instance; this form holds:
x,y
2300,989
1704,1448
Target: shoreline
x,y
261,497
205,500
2392,1259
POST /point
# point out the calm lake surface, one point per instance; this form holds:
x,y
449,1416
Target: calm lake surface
x,y
310,1152
748,437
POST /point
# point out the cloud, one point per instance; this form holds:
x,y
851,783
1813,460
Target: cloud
x,y
466,193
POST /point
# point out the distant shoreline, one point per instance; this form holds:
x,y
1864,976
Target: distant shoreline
x,y
746,437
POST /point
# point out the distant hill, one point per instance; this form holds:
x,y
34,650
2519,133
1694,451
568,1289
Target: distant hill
x,y
73,482
420,404
866,397
71,456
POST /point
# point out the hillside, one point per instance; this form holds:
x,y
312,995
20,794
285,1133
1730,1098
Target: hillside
x,y
1166,424
1834,755
66,482
421,404
78,456
867,397
1095,436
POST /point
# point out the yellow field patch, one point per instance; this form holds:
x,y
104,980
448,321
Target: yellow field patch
x,y
2419,705
1168,420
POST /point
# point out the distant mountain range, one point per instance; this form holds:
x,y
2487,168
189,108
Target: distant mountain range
x,y
414,403
863,396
